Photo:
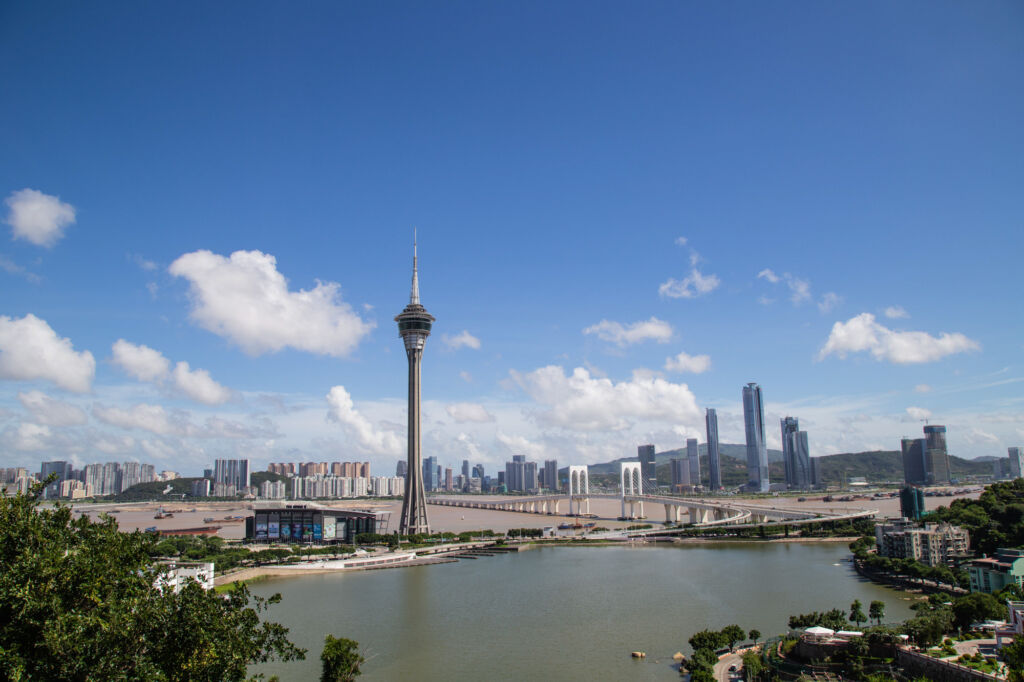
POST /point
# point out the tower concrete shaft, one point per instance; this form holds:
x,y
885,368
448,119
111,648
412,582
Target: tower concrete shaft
x,y
414,324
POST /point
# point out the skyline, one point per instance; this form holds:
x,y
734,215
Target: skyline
x,y
624,220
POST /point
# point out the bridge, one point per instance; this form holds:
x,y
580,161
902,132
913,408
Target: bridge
x,y
701,511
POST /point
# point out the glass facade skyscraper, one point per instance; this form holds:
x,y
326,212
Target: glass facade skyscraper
x,y
936,457
913,460
757,449
648,467
714,466
693,460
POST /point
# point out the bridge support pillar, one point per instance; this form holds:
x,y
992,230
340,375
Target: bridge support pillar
x,y
630,484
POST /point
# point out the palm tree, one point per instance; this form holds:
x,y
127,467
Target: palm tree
x,y
876,610
857,612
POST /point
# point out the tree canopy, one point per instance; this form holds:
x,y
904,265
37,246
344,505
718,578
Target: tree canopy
x,y
78,602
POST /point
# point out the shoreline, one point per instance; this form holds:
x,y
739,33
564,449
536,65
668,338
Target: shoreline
x,y
254,573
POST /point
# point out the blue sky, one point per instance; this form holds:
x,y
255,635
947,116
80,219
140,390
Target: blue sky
x,y
825,199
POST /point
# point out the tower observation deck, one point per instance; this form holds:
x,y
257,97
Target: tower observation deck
x,y
414,324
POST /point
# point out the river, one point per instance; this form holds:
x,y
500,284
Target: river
x,y
562,613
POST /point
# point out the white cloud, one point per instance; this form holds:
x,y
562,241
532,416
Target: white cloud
x,y
28,437
142,362
829,301
466,376
246,300
644,330
696,284
863,333
461,340
142,261
198,385
147,364
38,218
696,364
10,267
51,412
895,312
368,438
583,403
919,413
152,418
765,300
520,445
30,349
800,289
680,241
922,388
468,412
769,275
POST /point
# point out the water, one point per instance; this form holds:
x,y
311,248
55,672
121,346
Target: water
x,y
562,613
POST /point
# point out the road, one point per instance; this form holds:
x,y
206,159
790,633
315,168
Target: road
x,y
722,673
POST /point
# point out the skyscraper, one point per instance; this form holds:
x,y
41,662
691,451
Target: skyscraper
x,y
913,460
515,473
414,325
648,467
796,454
757,450
789,425
402,468
233,472
431,474
465,469
714,467
936,458
1016,456
693,460
551,474
680,470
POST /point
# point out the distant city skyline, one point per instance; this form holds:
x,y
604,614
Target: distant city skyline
x,y
626,221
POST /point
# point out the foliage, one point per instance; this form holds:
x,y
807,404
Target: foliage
x,y
755,635
876,611
857,612
834,619
77,601
1013,655
732,634
752,665
341,660
994,520
976,606
707,639
928,627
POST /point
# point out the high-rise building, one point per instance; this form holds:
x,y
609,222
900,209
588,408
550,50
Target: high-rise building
x,y
714,466
757,449
414,325
648,467
465,469
911,503
448,483
515,473
693,460
551,475
680,469
789,425
936,457
913,460
1016,456
530,477
478,471
61,469
231,472
402,469
431,475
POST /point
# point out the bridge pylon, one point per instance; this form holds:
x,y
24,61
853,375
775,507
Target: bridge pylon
x,y
579,488
631,485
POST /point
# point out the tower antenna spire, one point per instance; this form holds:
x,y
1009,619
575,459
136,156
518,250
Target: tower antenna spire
x,y
414,296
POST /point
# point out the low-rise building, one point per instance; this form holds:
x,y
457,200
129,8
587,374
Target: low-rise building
x,y
180,572
991,574
312,523
932,544
1014,627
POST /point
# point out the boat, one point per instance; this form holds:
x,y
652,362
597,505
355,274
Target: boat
x,y
151,529
209,519
163,514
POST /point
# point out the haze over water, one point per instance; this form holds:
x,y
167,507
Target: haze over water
x,y
562,613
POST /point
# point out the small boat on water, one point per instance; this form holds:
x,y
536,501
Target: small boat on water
x,y
151,529
163,514
209,519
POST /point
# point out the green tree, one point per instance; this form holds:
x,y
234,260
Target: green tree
x,y
77,602
341,660
976,606
732,634
857,612
752,665
876,611
706,639
1013,655
755,635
